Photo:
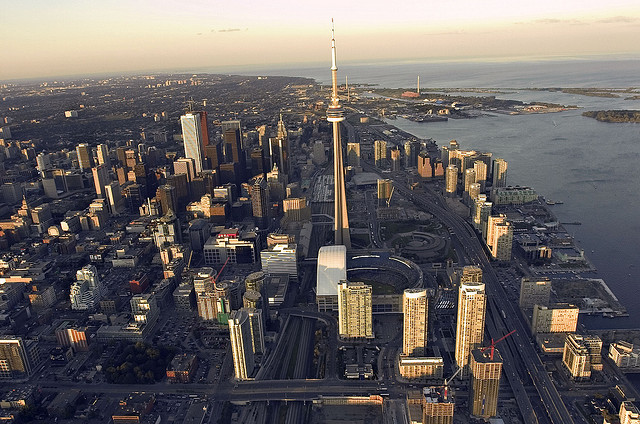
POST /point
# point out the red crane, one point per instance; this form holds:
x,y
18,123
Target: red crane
x,y
215,279
493,344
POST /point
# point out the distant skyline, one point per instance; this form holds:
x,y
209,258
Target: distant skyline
x,y
47,39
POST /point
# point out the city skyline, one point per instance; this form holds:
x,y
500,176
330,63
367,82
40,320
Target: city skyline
x,y
45,40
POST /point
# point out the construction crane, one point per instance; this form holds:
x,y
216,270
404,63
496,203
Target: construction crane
x,y
492,346
390,194
220,272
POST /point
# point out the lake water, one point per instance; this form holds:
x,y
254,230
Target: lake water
x,y
593,167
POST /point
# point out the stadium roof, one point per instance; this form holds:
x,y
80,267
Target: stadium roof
x,y
332,268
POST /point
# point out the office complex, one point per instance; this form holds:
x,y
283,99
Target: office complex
x,y
557,318
582,355
415,320
17,357
534,291
355,319
281,259
86,291
195,136
470,323
486,368
241,344
624,354
335,115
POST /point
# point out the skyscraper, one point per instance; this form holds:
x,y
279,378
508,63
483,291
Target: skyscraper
x,y
103,155
500,237
353,154
380,153
437,405
480,169
414,328
15,362
470,323
185,166
260,202
85,161
279,149
241,344
411,151
499,173
486,368
195,136
335,115
354,310
86,290
100,179
451,180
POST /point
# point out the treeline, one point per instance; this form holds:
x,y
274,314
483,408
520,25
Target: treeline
x,y
614,115
138,363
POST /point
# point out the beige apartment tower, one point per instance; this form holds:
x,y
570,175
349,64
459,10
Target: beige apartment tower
x,y
241,344
499,173
414,328
470,324
451,180
354,310
486,368
557,318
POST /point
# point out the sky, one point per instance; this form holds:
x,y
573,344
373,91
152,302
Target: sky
x,y
44,38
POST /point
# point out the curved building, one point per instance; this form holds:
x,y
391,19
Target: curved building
x,y
332,269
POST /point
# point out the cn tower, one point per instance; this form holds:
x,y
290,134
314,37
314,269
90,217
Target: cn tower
x,y
335,115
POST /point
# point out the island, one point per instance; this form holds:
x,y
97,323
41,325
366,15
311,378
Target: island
x,y
614,115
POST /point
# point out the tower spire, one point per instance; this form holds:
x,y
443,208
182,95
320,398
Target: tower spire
x,y
335,115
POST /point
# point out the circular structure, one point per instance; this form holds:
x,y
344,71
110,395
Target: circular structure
x,y
387,274
425,246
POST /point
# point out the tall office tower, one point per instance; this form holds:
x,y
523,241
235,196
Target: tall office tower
x,y
277,182
499,173
385,187
380,153
213,155
195,137
319,154
204,280
534,291
470,324
474,192
451,180
232,140
15,361
437,405
469,178
234,125
256,324
241,344
414,328
114,197
396,164
629,413
281,259
279,149
100,179
258,163
185,166
85,160
471,274
500,237
480,169
335,115
168,198
43,162
260,202
255,281
354,310
411,151
425,169
353,154
121,156
486,368
103,155
86,291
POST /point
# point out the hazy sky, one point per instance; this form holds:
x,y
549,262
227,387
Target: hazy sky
x,y
63,37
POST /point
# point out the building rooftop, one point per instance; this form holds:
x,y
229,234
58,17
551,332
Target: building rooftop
x,y
332,268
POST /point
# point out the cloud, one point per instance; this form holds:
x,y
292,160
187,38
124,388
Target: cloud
x,y
619,20
553,21
229,30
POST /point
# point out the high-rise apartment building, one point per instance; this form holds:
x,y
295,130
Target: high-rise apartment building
x,y
437,405
16,357
256,324
471,274
425,168
103,155
355,319
380,153
395,162
451,180
486,368
500,237
241,344
385,187
629,413
480,169
469,178
415,321
195,135
411,151
499,173
534,291
86,291
470,323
